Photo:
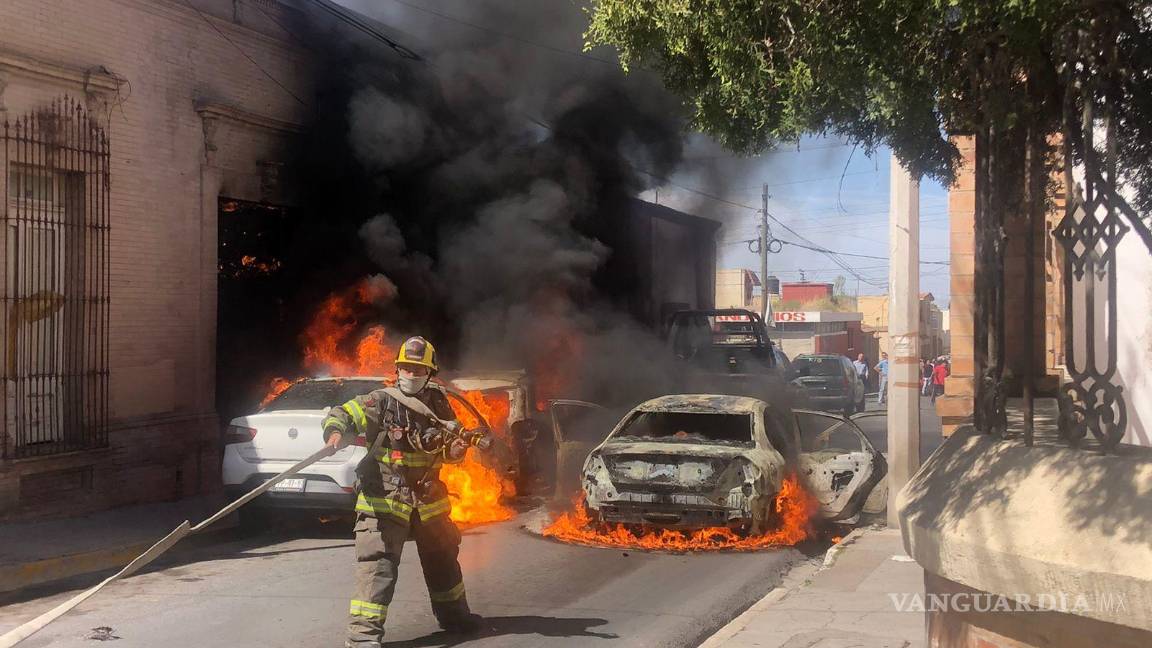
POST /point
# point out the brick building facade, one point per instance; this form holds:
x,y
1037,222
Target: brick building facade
x,y
196,100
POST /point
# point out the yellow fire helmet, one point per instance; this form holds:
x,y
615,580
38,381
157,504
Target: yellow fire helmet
x,y
418,351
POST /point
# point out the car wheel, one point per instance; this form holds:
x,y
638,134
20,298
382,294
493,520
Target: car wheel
x,y
849,409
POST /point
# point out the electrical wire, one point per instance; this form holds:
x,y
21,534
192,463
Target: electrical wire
x,y
251,60
352,18
852,254
805,181
831,254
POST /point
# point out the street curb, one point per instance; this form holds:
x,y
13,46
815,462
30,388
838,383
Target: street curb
x,y
795,579
38,572
833,553
17,576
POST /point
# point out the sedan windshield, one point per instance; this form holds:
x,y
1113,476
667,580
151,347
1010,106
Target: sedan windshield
x,y
687,427
321,394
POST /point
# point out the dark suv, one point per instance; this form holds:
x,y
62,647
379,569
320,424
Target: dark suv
x,y
829,382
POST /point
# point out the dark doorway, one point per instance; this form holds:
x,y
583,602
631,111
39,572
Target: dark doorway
x,y
254,337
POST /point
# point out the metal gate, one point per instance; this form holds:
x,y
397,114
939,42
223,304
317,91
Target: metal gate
x,y
54,243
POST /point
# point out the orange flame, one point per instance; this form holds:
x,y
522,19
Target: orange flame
x,y
335,344
794,506
256,265
475,489
493,406
328,339
277,387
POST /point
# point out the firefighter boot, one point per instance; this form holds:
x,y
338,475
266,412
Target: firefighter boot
x,y
456,618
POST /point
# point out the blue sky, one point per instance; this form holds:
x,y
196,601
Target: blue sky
x,y
825,191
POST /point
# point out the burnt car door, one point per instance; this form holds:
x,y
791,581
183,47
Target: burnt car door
x,y
578,427
837,463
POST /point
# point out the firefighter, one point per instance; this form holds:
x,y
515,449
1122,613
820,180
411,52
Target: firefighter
x,y
401,495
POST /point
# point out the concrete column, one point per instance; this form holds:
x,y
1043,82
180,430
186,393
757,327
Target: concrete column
x,y
903,332
211,181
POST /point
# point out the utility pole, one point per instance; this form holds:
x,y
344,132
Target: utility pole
x,y
903,332
766,306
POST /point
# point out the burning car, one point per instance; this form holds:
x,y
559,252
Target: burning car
x,y
506,398
698,461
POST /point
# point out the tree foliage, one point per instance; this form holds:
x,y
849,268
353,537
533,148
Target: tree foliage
x,y
905,73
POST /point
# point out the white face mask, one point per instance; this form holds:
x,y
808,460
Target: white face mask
x,y
412,385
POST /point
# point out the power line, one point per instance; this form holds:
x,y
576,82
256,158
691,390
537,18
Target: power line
x,y
352,18
830,254
796,182
852,254
251,60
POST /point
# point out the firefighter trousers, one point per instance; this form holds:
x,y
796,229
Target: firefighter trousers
x,y
379,544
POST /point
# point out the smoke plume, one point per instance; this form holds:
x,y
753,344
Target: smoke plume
x,y
492,183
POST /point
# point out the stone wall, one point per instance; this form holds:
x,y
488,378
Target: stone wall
x,y
978,624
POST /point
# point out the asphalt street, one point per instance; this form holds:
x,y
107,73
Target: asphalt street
x,y
290,588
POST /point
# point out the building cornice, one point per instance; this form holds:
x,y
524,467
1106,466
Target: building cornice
x,y
95,80
211,110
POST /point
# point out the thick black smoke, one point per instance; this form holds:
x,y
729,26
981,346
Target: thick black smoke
x,y
492,183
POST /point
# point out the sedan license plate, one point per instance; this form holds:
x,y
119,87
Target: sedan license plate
x,y
289,486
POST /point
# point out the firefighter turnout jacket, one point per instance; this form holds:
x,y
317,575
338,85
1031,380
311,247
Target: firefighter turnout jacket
x,y
399,478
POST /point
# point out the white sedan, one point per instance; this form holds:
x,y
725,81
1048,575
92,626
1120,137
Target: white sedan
x,y
286,430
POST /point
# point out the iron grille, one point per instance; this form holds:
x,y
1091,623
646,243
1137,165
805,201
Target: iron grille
x,y
55,282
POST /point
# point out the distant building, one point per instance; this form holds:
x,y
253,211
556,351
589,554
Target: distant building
x,y
874,309
800,332
805,291
736,288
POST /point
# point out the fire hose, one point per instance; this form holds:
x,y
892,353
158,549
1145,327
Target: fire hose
x,y
26,630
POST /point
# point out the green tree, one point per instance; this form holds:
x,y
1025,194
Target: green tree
x,y
908,74
897,72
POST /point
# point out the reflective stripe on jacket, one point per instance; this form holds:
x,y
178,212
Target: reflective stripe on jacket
x,y
403,479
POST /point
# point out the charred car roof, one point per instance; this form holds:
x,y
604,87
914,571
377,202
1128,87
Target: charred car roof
x,y
483,380
718,403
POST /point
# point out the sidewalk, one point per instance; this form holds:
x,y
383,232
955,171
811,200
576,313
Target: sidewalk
x,y
37,552
845,604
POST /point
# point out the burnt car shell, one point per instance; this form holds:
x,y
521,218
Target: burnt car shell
x,y
686,480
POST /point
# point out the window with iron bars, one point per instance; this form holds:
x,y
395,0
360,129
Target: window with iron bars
x,y
54,285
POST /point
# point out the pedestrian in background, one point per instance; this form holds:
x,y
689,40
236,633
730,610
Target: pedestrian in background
x,y
939,373
926,367
861,364
882,374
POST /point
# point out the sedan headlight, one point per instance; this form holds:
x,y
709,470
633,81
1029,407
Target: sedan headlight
x,y
594,468
597,483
